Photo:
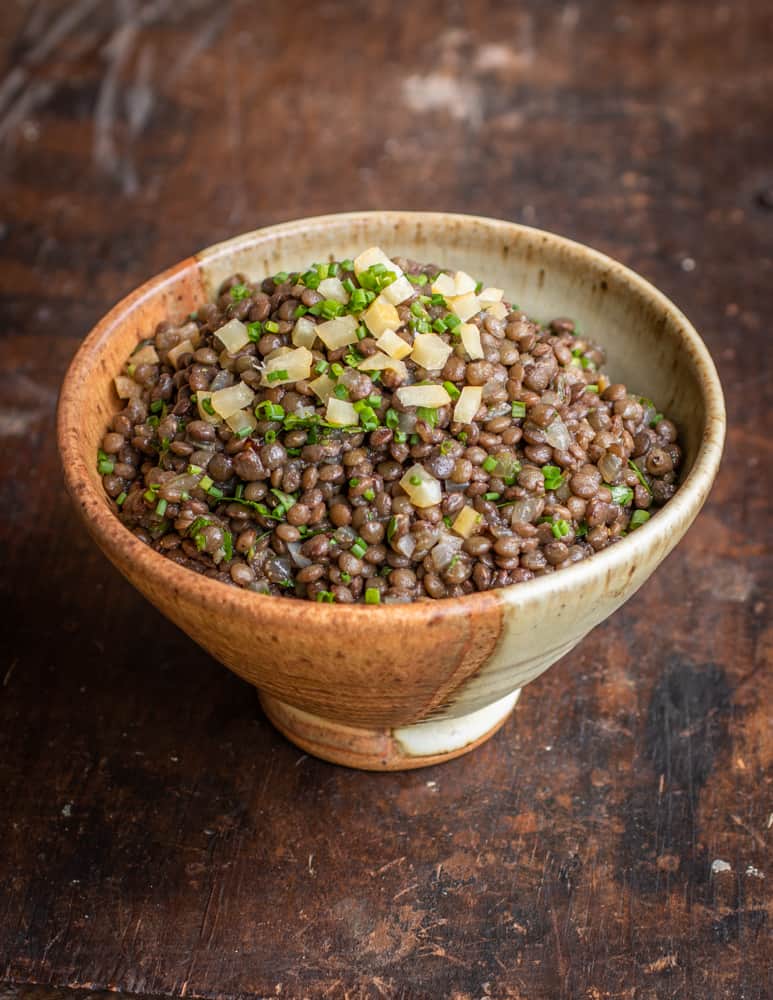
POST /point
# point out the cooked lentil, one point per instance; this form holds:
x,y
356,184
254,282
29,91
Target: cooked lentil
x,y
378,431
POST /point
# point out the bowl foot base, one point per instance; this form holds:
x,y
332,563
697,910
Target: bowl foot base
x,y
386,749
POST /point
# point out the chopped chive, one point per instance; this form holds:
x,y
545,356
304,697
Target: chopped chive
x,y
325,597
553,477
439,325
622,495
640,475
239,491
428,414
157,406
216,492
281,277
359,548
391,528
451,389
392,419
300,310
271,326
161,507
269,437
207,406
278,375
255,331
492,496
417,279
560,528
518,409
205,482
490,463
446,446
336,369
369,495
348,285
269,411
240,292
346,578
347,264
321,367
354,482
415,480
373,595
400,437
121,498
592,388
638,518
341,392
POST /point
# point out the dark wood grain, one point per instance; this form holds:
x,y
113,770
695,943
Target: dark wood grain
x,y
165,844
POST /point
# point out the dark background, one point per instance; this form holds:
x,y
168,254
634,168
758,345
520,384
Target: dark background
x,y
156,835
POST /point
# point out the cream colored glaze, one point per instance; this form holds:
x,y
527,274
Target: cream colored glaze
x,y
434,660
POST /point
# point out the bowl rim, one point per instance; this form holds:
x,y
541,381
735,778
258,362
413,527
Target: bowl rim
x,y
120,544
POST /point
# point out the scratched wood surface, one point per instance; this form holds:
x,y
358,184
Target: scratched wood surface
x,y
157,837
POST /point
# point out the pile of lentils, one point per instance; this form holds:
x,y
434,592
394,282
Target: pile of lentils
x,y
265,441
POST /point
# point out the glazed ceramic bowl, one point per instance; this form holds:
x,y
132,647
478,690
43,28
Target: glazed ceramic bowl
x,y
407,685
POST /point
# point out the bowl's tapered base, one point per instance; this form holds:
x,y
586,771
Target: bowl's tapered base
x,y
397,749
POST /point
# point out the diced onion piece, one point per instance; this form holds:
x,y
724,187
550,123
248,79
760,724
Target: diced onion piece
x,y
487,296
126,387
468,404
304,332
467,522
379,362
430,351
381,316
332,288
444,551
146,355
398,291
233,335
393,345
463,283
444,284
374,255
557,435
295,365
465,306
423,395
235,397
323,387
470,335
338,332
175,353
497,309
341,412
201,398
528,509
241,419
422,488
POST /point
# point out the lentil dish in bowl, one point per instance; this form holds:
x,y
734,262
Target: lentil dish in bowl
x,y
317,443
378,430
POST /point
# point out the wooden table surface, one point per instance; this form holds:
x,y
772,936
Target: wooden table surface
x,y
157,836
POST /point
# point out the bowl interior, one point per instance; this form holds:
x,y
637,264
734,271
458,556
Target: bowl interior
x,y
650,345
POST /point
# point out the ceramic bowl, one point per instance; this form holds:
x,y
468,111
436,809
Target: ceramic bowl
x,y
403,686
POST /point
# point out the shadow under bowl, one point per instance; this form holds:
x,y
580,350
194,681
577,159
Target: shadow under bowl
x,y
407,685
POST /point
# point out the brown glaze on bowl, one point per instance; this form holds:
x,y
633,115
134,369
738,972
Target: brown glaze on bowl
x,y
407,685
